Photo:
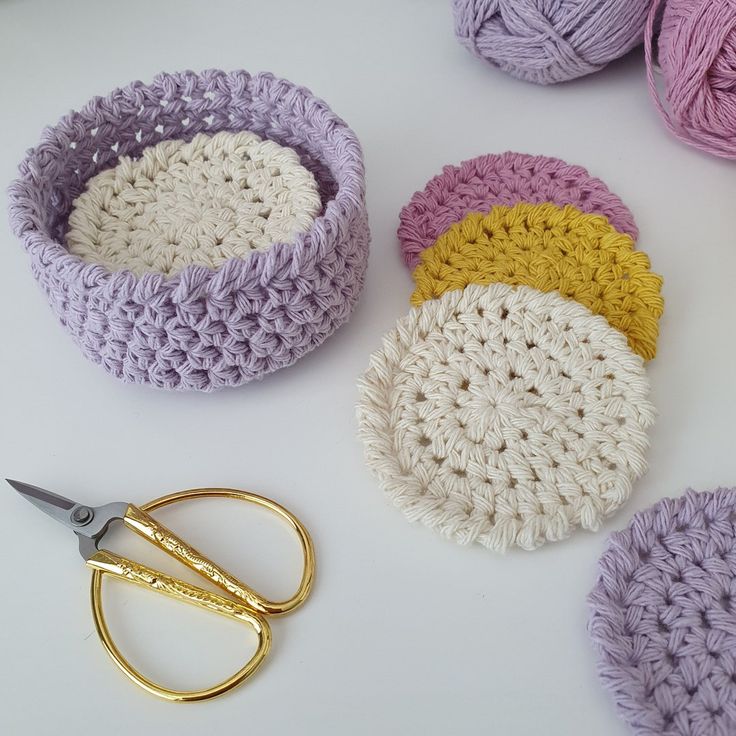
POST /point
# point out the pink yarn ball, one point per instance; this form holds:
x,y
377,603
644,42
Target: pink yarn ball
x,y
697,56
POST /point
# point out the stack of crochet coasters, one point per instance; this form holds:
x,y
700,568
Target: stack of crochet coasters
x,y
510,406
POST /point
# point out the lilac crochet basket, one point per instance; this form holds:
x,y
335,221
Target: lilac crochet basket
x,y
200,329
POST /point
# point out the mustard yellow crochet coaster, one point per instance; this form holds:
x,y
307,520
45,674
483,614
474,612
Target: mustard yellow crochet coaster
x,y
550,248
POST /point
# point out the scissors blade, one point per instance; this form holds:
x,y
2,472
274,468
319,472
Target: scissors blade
x,y
89,523
57,507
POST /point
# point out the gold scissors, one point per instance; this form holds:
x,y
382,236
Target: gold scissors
x,y
90,523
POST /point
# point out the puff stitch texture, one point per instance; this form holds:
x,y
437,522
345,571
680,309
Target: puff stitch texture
x,y
199,329
481,183
505,416
663,617
550,248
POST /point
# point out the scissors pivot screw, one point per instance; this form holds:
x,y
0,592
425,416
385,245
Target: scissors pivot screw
x,y
82,515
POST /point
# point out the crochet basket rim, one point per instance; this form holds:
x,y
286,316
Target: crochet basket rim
x,y
27,217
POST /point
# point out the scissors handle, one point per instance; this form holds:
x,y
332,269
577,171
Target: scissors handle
x,y
119,567
156,533
134,572
248,606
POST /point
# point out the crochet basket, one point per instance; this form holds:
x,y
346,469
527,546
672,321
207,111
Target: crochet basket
x,y
200,329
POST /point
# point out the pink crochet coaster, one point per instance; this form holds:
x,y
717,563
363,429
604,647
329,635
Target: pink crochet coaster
x,y
663,617
481,183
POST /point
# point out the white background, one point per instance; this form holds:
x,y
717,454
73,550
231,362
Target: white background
x,y
405,633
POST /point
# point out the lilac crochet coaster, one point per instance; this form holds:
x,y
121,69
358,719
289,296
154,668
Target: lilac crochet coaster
x,y
481,183
664,617
201,328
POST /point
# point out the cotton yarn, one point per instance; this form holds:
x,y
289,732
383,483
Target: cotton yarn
x,y
549,41
697,56
663,617
199,202
199,329
505,416
481,183
499,411
550,248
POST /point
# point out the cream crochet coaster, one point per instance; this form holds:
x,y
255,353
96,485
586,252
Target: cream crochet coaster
x,y
203,202
505,416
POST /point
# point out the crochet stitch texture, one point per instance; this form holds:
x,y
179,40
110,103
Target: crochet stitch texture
x,y
663,617
484,182
199,329
505,416
199,202
550,248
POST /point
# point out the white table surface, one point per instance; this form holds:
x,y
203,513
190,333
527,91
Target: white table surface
x,y
405,633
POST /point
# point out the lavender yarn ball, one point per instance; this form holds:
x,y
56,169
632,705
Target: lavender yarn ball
x,y
200,329
550,41
664,617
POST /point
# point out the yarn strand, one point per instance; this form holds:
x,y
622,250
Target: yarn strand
x,y
549,42
697,55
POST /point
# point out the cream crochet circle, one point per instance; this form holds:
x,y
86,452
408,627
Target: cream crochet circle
x,y
202,202
505,416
